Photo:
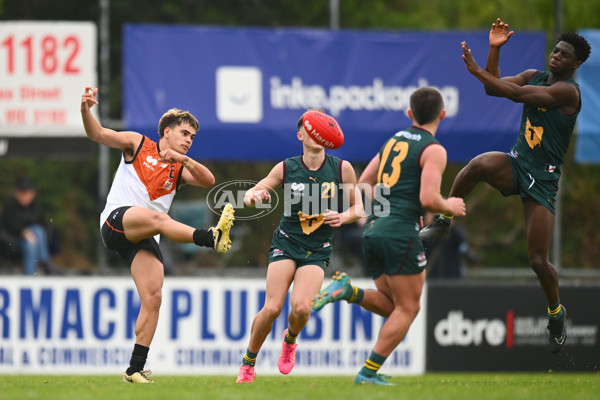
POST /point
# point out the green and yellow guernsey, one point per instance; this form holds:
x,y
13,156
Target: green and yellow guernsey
x,y
307,196
544,136
399,184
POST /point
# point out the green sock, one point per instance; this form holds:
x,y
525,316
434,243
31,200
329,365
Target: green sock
x,y
290,337
357,295
555,311
446,218
249,358
372,365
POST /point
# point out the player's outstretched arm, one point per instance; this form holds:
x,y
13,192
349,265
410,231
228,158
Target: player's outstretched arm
x,y
499,35
260,192
126,141
561,94
514,87
197,174
433,163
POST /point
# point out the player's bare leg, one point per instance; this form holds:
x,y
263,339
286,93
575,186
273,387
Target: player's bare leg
x,y
141,223
377,302
148,274
280,275
307,281
493,168
405,292
539,226
279,278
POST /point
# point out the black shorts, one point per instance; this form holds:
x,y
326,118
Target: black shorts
x,y
113,236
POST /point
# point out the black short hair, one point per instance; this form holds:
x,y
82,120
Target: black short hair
x,y
581,46
23,184
426,104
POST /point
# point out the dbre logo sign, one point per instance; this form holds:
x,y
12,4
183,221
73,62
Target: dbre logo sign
x,y
455,330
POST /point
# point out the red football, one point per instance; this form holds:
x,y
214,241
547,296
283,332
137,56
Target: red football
x,y
323,128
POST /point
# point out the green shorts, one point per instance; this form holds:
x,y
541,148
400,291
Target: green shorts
x,y
394,256
284,248
542,191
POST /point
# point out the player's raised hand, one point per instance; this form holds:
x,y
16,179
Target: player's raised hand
x,y
499,34
88,98
468,58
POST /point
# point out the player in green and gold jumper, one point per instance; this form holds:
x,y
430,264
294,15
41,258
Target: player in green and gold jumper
x,y
551,102
409,165
301,244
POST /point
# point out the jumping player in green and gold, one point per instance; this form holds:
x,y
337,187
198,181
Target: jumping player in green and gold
x,y
409,167
551,102
301,244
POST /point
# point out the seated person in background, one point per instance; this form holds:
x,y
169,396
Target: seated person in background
x,y
23,219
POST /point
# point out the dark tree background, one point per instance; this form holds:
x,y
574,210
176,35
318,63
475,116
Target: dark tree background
x,y
68,189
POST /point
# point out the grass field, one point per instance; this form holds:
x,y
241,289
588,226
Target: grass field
x,y
459,386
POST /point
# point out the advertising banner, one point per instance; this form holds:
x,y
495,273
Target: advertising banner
x,y
587,149
249,86
502,327
86,326
44,67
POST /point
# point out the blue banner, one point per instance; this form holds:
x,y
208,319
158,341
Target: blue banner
x,y
248,87
587,149
86,325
